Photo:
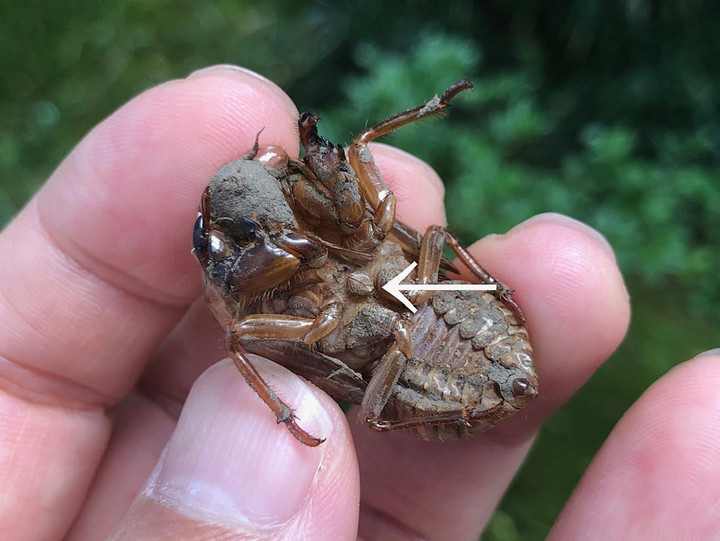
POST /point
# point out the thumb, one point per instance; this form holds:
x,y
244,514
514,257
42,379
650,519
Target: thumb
x,y
230,471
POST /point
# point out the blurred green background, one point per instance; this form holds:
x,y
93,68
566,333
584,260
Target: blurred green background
x,y
603,110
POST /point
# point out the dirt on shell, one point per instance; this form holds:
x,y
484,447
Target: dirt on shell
x,y
244,188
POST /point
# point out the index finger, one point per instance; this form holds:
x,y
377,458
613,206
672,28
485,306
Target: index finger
x,y
96,270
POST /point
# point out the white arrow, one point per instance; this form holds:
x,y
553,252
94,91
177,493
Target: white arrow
x,y
395,288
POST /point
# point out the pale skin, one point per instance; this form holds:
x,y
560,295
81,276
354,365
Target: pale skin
x,y
103,332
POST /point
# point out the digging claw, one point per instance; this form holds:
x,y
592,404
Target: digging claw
x,y
288,417
300,435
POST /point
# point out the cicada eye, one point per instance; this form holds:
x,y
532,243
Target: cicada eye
x,y
200,241
246,229
199,235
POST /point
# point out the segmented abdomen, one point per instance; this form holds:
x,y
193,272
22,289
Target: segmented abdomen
x,y
472,361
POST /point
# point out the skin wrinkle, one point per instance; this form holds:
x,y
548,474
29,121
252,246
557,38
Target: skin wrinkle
x,y
7,301
63,390
110,274
392,491
507,437
75,264
90,264
106,151
45,485
55,391
417,499
179,361
34,389
170,403
84,273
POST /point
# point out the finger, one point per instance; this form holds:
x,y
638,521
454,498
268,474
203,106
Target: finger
x,y
567,281
230,470
146,418
657,476
140,431
96,270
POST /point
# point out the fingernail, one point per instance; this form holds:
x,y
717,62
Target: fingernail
x,y
228,459
220,69
714,351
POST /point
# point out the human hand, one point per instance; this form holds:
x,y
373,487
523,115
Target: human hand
x,y
103,333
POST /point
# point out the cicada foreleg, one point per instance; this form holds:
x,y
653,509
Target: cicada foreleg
x,y
277,327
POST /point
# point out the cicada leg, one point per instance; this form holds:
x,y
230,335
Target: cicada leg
x,y
428,268
503,292
278,327
372,187
386,374
282,411
453,416
430,259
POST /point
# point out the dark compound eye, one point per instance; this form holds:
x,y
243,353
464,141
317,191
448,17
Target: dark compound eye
x,y
200,241
246,229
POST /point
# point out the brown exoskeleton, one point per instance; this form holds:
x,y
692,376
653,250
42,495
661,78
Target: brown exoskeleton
x,y
295,254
